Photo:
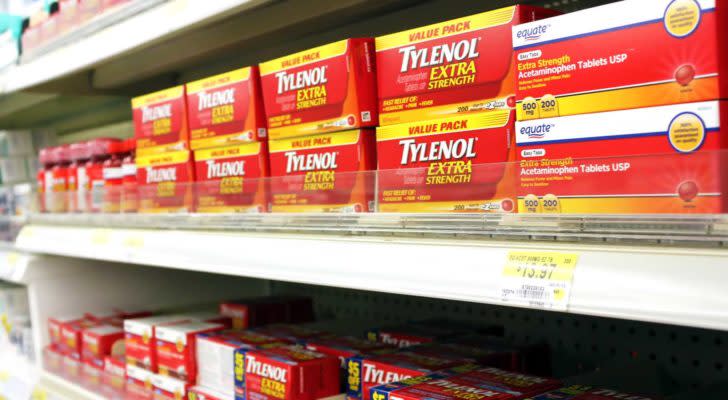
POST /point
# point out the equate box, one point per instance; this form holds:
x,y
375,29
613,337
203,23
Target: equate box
x,y
176,349
165,181
229,178
650,160
98,342
323,173
166,387
629,54
455,67
140,339
452,164
138,383
289,373
226,109
160,121
324,89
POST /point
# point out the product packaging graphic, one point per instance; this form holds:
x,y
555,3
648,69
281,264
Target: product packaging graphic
x,y
665,159
366,372
165,182
452,164
176,349
229,178
71,334
54,328
455,67
629,54
114,376
141,342
98,342
410,334
160,121
579,392
490,383
325,89
139,383
288,373
166,387
226,109
91,375
323,173
216,357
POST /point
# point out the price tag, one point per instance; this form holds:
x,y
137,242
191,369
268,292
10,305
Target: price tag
x,y
134,241
100,236
538,279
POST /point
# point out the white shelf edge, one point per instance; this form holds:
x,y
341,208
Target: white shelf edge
x,y
61,388
681,286
145,28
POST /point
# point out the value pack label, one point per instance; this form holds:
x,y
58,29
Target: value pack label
x,y
160,121
461,66
165,182
324,89
226,109
229,179
667,159
457,164
323,173
604,58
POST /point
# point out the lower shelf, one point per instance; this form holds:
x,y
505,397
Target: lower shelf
x,y
53,386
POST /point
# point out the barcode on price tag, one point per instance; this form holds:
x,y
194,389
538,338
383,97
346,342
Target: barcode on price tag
x,y
538,279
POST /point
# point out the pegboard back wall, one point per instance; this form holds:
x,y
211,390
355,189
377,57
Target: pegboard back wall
x,y
689,357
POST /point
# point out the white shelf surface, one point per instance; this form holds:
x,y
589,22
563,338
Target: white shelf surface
x,y
147,27
674,285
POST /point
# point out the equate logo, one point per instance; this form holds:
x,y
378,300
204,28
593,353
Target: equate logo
x,y
536,131
531,34
265,370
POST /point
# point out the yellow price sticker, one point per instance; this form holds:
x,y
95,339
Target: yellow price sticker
x,y
12,259
538,278
134,241
39,394
100,237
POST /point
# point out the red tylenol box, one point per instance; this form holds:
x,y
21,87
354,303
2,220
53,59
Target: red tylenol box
x,y
461,66
324,89
226,109
160,121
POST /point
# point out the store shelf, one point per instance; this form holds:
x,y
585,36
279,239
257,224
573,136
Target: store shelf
x,y
666,284
52,386
119,37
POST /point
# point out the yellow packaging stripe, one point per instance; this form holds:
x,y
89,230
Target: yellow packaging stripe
x,y
156,97
215,81
175,157
315,141
478,21
323,52
240,150
486,120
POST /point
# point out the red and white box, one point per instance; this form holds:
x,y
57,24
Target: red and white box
x,y
160,121
140,339
98,342
216,356
461,66
231,178
289,373
139,383
344,347
165,182
253,312
52,359
168,388
71,368
91,375
71,332
366,372
325,89
490,383
328,172
205,393
54,328
176,348
226,109
625,55
114,377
